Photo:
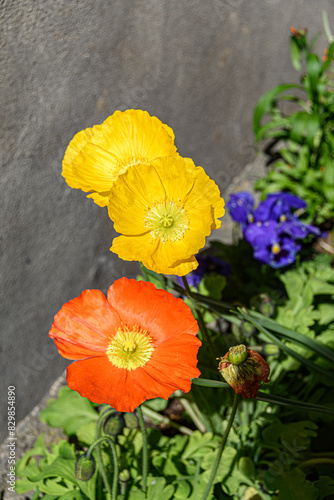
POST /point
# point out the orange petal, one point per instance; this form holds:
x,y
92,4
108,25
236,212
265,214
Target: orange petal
x,y
101,382
141,303
83,325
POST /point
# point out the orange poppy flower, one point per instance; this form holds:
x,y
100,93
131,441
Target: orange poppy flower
x,y
138,343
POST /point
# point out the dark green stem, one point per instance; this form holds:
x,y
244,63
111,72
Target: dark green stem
x,y
145,450
113,491
314,462
221,447
200,319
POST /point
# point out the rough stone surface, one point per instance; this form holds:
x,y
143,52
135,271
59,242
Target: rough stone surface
x,y
66,65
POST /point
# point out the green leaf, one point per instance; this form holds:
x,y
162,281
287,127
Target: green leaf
x,y
287,349
86,433
292,484
52,487
294,336
198,445
69,410
313,71
325,486
225,464
266,102
295,53
183,490
157,404
326,312
304,127
24,485
25,466
269,398
73,495
295,434
157,489
213,284
210,383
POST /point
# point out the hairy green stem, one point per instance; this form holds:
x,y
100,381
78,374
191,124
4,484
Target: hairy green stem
x,y
221,447
97,442
145,450
200,319
103,416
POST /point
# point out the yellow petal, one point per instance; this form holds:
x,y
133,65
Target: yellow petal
x,y
207,194
73,149
143,249
180,268
132,196
134,247
97,156
164,211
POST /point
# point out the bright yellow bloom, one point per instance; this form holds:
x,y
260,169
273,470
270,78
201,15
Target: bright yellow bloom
x,y
97,156
164,211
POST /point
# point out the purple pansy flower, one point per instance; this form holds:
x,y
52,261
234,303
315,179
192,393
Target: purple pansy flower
x,y
270,245
277,206
272,229
294,228
240,206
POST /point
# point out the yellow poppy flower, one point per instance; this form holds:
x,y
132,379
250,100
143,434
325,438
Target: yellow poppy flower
x,y
164,211
97,156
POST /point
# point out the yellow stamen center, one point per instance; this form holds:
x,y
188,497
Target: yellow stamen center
x,y
167,221
275,249
130,349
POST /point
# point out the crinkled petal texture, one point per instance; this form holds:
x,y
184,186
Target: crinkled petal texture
x,y
97,156
87,326
164,212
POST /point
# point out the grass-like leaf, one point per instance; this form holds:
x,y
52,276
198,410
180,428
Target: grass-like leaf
x,y
268,398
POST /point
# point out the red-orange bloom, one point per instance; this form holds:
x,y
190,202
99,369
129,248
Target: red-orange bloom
x,y
138,343
244,369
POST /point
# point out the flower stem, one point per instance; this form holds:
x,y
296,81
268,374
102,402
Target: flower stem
x,y
96,443
221,447
200,319
145,450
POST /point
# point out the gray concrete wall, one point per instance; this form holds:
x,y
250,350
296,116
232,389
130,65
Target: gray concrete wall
x,y
200,66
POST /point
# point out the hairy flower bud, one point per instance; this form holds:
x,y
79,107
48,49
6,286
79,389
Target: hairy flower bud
x,y
244,369
84,467
114,425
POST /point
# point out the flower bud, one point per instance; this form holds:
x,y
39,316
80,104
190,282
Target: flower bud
x,y
244,369
263,303
131,421
84,467
246,328
114,425
124,476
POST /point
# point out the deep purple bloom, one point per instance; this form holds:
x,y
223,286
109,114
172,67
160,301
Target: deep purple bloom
x,y
240,206
206,264
277,207
294,228
270,246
